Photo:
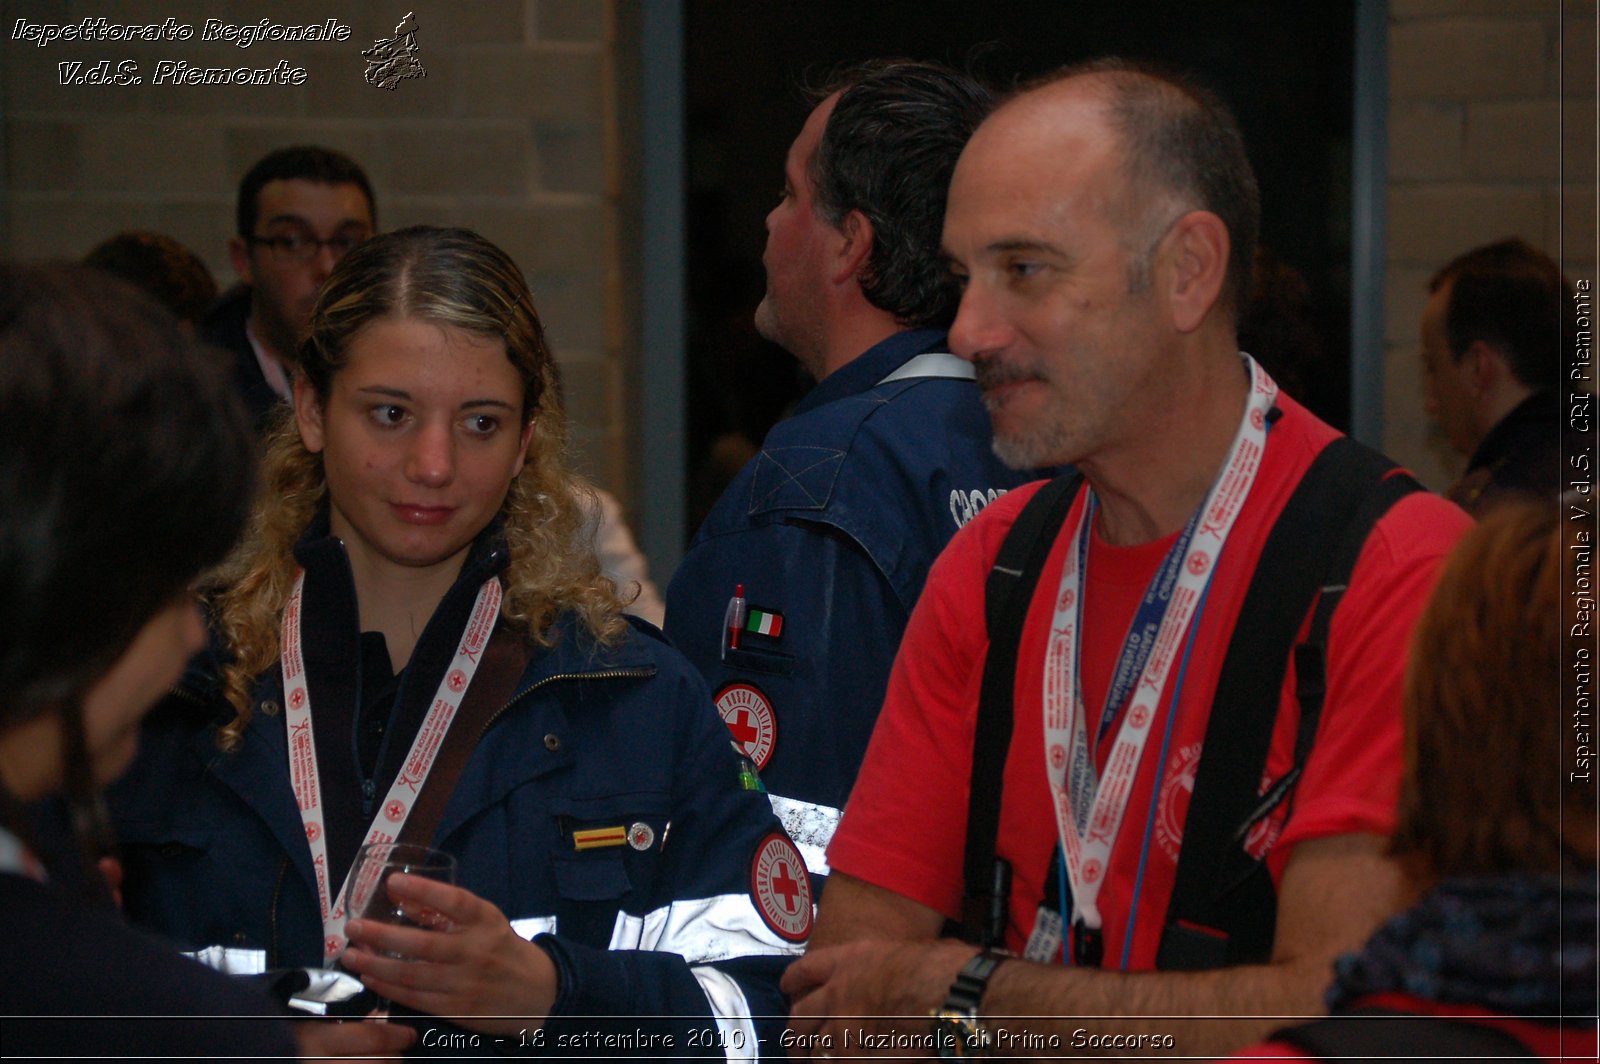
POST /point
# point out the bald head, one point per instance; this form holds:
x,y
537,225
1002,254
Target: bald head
x,y
1096,284
1178,149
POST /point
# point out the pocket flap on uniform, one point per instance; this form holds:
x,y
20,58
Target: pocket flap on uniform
x,y
169,839
611,808
591,877
752,660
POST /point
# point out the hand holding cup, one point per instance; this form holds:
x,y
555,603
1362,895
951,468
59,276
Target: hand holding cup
x,y
371,897
470,965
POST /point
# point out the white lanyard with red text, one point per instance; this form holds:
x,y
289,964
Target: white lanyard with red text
x,y
303,773
1087,837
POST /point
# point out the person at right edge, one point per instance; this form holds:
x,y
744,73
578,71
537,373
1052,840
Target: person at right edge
x,y
830,530
1497,956
1167,839
1498,334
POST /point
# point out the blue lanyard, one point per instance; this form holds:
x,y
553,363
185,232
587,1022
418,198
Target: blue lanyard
x,y
1141,637
1150,819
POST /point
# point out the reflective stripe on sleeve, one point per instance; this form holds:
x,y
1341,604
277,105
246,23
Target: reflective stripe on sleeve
x,y
231,960
702,930
732,1010
529,926
811,827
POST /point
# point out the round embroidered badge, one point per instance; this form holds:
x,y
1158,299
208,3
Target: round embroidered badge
x,y
781,888
641,836
748,714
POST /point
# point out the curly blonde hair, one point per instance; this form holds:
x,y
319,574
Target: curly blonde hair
x,y
455,277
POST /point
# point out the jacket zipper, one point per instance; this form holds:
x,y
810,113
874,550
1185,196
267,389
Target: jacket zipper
x,y
272,931
187,695
613,674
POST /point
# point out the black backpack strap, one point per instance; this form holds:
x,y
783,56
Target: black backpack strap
x,y
1007,593
1224,907
1384,1034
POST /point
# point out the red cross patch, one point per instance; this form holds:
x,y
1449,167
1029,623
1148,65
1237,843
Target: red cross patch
x,y
1139,716
1058,756
1091,871
781,887
312,832
297,698
395,811
457,680
749,717
1198,562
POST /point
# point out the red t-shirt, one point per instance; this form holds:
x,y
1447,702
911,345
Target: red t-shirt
x,y
905,825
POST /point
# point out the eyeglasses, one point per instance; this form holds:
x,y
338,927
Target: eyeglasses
x,y
302,247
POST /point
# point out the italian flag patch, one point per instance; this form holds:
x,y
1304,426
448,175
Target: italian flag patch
x,y
764,622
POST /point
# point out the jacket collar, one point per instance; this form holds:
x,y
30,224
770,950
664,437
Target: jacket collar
x,y
871,366
488,555
1534,417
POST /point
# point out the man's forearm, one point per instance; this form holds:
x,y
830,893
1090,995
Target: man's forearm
x,y
1334,892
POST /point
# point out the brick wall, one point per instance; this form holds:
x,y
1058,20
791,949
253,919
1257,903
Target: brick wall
x,y
1491,133
522,130
511,133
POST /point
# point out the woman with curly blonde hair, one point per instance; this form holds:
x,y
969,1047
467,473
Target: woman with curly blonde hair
x,y
416,646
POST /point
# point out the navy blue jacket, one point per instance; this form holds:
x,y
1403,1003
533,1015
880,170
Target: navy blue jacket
x,y
73,973
668,938
224,326
833,526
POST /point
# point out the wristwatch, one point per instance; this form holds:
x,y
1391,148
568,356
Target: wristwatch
x,y
956,1033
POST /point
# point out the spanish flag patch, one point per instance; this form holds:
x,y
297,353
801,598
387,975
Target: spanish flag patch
x,y
595,838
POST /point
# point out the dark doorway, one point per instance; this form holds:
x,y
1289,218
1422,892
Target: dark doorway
x,y
1286,69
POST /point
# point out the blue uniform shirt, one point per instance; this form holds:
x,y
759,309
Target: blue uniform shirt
x,y
831,530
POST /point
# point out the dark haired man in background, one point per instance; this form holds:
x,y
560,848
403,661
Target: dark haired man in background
x,y
1497,334
300,210
794,594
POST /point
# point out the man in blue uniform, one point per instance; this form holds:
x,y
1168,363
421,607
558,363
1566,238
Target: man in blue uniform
x,y
794,594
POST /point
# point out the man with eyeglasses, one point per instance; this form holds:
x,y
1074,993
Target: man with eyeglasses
x,y
300,210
